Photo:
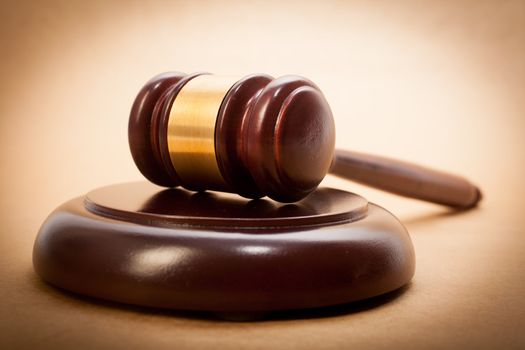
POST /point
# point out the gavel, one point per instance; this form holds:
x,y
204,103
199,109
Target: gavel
x,y
262,136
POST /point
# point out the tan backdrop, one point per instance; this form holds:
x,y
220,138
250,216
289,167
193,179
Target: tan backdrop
x,y
441,83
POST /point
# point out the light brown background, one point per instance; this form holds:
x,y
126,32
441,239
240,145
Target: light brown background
x,y
437,82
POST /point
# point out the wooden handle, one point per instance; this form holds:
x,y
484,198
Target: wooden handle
x,y
406,179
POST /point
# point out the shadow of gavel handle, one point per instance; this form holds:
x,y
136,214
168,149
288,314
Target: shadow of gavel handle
x,y
406,179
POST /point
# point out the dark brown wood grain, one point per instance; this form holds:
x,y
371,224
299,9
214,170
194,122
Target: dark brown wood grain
x,y
406,179
276,138
143,128
140,244
230,132
290,139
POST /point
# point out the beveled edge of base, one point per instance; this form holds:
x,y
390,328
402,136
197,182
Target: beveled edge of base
x,y
222,272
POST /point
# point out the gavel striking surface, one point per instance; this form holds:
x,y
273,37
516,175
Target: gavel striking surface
x,y
141,244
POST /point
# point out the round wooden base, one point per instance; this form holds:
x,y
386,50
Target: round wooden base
x,y
170,248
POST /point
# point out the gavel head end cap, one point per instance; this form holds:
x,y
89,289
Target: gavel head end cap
x,y
291,139
142,130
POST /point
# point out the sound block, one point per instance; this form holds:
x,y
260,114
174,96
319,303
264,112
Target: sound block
x,y
141,244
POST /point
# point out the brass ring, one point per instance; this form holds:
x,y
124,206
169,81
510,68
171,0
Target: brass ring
x,y
191,131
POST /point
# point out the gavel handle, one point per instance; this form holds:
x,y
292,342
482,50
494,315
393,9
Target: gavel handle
x,y
406,179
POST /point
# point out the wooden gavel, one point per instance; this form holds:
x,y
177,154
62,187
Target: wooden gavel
x,y
259,136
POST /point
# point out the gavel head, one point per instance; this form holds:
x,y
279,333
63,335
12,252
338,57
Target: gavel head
x,y
256,136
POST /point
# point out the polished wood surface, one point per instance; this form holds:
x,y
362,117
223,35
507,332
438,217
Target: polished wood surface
x,y
230,128
141,244
406,179
273,137
147,204
270,137
289,139
148,125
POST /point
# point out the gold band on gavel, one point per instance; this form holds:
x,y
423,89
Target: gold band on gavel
x,y
191,131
